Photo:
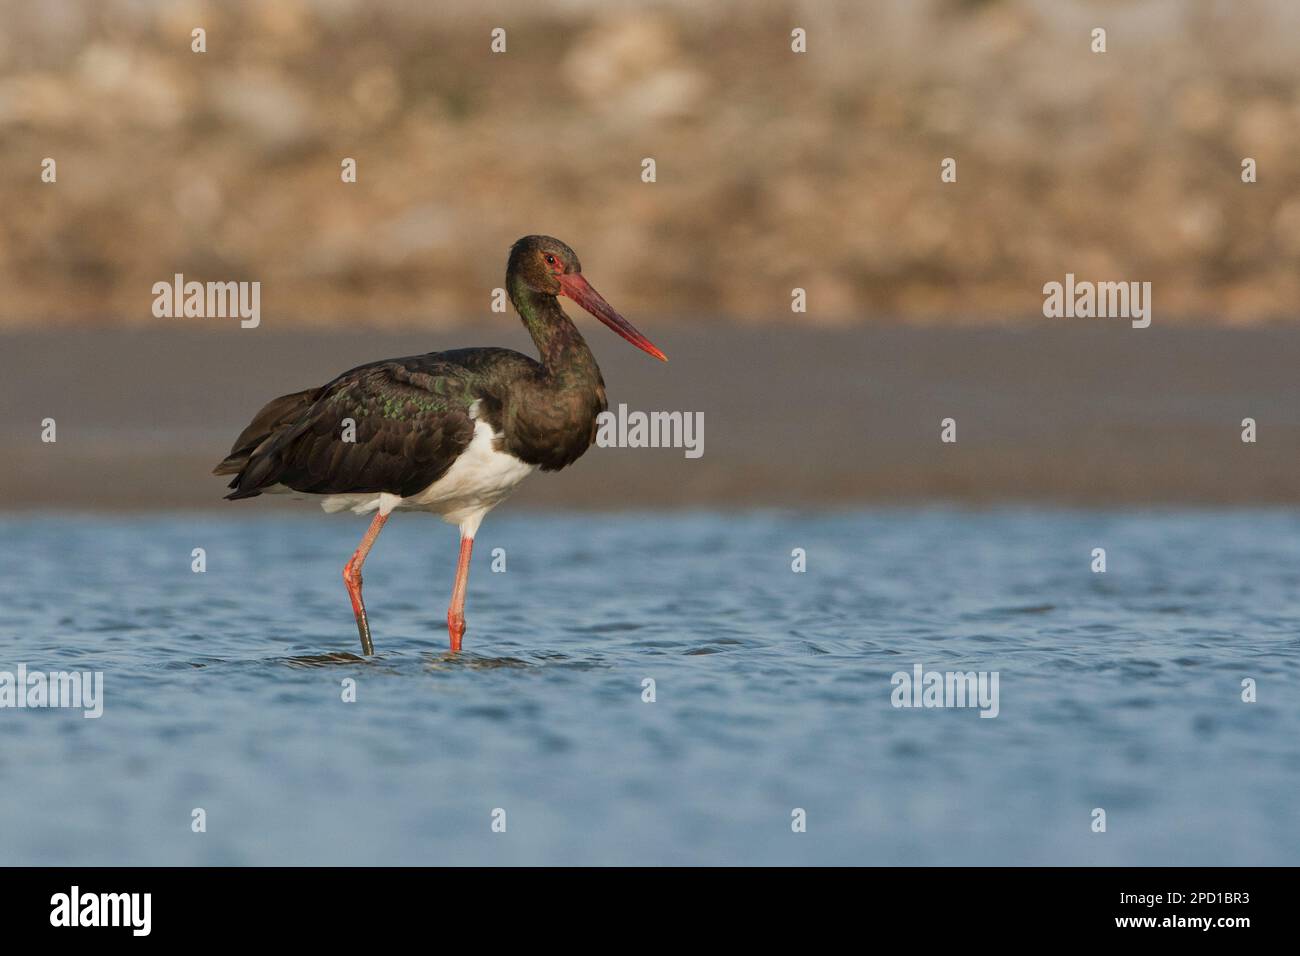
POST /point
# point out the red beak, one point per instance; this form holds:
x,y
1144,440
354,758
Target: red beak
x,y
580,291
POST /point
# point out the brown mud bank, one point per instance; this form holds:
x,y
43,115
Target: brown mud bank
x,y
1081,413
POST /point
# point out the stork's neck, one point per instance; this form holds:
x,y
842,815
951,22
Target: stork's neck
x,y
554,414
561,347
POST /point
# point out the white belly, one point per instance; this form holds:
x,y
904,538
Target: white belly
x,y
479,480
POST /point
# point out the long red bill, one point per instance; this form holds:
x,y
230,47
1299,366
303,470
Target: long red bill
x,y
580,291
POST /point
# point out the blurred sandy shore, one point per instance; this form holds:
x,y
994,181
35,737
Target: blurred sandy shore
x,y
774,170
1086,413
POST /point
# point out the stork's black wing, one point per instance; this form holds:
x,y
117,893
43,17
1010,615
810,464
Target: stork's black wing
x,y
410,419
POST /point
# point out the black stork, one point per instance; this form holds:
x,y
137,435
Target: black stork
x,y
447,432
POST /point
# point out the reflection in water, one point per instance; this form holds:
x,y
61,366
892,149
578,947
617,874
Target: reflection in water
x,y
393,663
326,660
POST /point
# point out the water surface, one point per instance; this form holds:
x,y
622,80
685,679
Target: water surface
x,y
1119,690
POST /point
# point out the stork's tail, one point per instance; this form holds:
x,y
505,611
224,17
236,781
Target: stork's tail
x,y
247,460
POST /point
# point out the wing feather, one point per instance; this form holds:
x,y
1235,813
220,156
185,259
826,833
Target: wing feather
x,y
411,419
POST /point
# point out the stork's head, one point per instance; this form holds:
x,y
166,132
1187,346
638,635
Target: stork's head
x,y
548,266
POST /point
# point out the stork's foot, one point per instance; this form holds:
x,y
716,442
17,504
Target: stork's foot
x,y
352,579
455,630
363,628
456,612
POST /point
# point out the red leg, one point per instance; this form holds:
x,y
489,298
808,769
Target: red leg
x,y
352,578
456,612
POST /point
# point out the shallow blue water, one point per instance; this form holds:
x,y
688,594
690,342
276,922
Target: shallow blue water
x,y
1119,690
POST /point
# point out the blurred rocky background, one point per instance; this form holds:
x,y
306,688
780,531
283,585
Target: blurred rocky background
x,y
775,170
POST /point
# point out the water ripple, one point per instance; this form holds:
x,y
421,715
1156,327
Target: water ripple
x,y
677,717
